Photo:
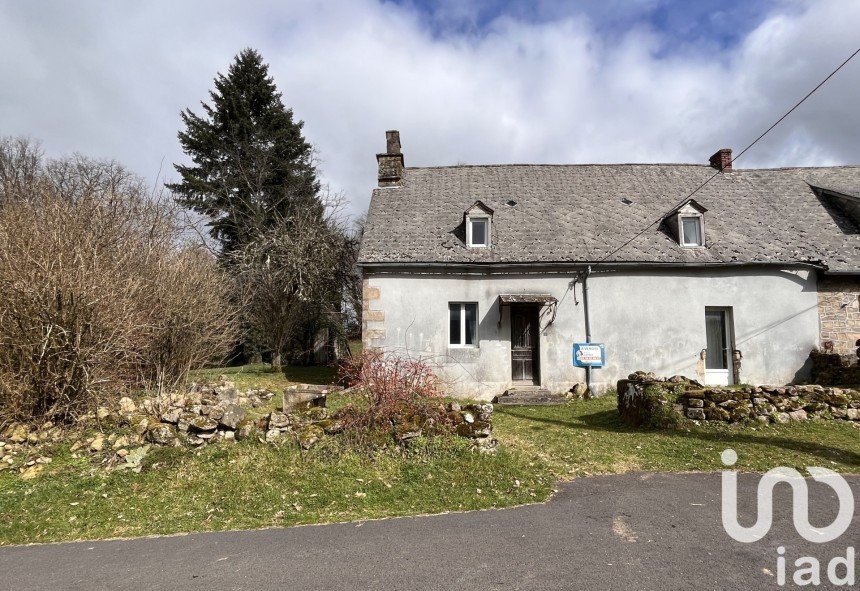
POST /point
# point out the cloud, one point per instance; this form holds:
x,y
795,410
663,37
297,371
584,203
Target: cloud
x,y
109,80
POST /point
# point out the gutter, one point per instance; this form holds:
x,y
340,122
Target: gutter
x,y
565,268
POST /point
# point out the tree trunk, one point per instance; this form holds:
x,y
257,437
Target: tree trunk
x,y
276,360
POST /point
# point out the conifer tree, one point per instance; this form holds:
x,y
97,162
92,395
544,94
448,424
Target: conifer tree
x,y
251,164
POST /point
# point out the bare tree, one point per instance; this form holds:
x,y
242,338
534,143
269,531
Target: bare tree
x,y
20,166
353,292
292,275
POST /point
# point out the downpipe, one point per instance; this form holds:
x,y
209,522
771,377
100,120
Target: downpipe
x,y
587,322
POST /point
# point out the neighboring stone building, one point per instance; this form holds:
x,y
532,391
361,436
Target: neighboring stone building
x,y
839,308
734,279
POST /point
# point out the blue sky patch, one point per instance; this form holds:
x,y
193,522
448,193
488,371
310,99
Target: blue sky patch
x,y
682,23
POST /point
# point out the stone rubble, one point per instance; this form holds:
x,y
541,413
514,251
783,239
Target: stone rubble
x,y
206,414
198,416
475,422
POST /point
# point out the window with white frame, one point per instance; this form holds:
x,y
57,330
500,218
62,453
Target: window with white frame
x,y
691,231
463,324
478,231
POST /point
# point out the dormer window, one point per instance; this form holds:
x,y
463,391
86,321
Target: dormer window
x,y
478,232
687,223
691,231
479,222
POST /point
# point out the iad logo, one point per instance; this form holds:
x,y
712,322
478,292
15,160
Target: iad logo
x,y
800,498
810,573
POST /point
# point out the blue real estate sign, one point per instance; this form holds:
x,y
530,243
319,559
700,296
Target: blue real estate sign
x,y
589,355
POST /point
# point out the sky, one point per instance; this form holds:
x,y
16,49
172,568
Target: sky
x,y
465,81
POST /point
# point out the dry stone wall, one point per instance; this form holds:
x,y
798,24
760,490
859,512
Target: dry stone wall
x,y
770,404
832,369
646,400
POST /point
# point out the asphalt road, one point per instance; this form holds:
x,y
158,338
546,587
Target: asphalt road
x,y
632,531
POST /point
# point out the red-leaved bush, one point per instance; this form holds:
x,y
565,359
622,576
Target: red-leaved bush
x,y
398,397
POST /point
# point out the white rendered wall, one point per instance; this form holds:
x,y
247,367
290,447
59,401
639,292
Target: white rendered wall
x,y
648,320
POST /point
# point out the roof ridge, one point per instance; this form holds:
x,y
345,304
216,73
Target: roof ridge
x,y
557,165
835,166
607,164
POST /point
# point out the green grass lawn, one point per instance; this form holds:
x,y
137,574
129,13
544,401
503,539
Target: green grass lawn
x,y
261,375
247,484
253,485
587,437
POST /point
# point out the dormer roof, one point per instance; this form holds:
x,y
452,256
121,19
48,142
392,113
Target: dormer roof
x,y
479,207
688,206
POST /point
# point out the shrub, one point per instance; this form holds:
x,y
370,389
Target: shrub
x,y
193,322
99,295
398,400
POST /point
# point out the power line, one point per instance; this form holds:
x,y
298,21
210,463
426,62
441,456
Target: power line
x,y
742,152
800,102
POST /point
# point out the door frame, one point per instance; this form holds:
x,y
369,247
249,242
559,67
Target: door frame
x,y
722,377
534,311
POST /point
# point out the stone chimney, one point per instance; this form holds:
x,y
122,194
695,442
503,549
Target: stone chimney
x,y
722,160
391,162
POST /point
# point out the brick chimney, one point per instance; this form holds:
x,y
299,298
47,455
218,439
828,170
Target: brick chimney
x,y
391,162
722,160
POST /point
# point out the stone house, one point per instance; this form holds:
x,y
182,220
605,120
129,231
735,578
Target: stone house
x,y
493,273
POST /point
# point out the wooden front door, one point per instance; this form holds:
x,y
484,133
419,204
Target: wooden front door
x,y
525,365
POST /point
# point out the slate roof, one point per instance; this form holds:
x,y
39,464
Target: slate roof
x,y
581,214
